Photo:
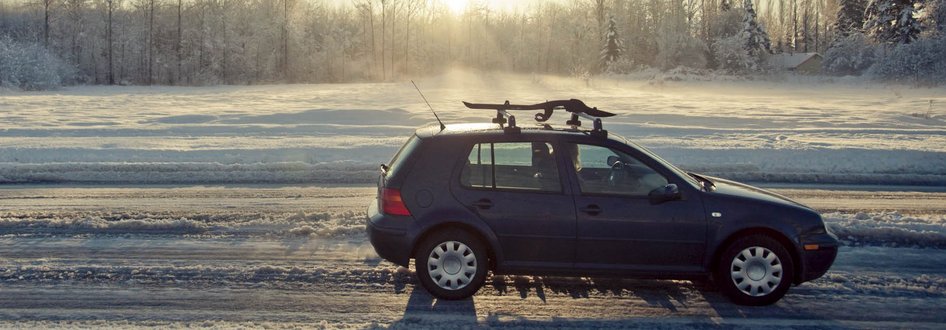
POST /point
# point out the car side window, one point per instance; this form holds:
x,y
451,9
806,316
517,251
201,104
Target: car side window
x,y
512,166
602,170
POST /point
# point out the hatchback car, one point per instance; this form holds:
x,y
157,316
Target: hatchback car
x,y
465,199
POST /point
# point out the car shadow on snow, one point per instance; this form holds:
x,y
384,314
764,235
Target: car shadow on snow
x,y
666,298
425,311
666,294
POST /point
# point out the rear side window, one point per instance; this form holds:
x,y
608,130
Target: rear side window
x,y
402,154
512,166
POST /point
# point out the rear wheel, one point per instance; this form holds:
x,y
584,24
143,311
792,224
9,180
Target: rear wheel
x,y
755,270
451,264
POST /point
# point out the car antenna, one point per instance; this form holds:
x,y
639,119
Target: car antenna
x,y
428,105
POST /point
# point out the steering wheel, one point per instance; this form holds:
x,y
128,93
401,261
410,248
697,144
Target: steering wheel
x,y
617,175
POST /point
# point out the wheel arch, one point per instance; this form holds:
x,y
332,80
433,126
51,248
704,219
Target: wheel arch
x,y
774,234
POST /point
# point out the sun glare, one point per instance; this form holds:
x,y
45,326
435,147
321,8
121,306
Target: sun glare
x,y
456,6
459,7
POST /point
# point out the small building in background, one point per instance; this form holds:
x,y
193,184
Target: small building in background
x,y
801,63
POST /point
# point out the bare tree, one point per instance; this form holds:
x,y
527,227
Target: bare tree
x,y
287,5
180,40
600,10
393,35
110,7
384,67
412,7
367,13
150,42
47,4
224,9
75,11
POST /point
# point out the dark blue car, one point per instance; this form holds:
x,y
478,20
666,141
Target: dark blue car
x,y
464,199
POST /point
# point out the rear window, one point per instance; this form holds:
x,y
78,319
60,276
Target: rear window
x,y
402,154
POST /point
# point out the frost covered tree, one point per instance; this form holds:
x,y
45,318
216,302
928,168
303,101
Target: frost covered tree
x,y
850,55
892,21
850,17
613,45
268,41
731,55
30,66
757,40
675,45
922,62
937,15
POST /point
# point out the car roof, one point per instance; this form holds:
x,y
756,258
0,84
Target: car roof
x,y
492,129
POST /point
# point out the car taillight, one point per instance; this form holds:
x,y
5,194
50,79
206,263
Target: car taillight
x,y
391,202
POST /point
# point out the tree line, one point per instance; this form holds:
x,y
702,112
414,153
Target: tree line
x,y
196,42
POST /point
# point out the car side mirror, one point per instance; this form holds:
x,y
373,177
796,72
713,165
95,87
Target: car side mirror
x,y
613,159
667,193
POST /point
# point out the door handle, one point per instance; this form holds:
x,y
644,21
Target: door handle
x,y
484,204
591,209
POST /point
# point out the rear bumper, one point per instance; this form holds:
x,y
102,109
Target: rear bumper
x,y
392,244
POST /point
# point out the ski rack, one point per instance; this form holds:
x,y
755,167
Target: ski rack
x,y
577,108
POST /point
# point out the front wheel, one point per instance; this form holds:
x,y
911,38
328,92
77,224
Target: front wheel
x,y
451,264
755,270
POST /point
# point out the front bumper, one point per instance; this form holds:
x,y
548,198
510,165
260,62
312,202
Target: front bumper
x,y
392,244
817,262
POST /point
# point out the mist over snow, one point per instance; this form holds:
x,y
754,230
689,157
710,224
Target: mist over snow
x,y
803,130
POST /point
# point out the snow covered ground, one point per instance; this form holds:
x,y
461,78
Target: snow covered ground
x,y
792,131
272,235
296,256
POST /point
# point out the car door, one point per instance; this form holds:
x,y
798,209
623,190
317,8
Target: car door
x,y
516,188
617,226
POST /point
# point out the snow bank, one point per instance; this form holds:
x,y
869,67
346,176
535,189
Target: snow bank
x,y
277,172
300,224
888,229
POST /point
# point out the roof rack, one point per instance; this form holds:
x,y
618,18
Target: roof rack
x,y
577,108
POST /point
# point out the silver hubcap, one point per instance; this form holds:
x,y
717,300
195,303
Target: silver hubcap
x,y
756,271
451,265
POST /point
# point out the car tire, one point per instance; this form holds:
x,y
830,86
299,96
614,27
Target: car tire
x,y
451,264
754,270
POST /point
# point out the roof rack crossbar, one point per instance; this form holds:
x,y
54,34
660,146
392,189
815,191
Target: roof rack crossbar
x,y
577,108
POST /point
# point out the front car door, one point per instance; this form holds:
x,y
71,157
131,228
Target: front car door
x,y
517,188
617,226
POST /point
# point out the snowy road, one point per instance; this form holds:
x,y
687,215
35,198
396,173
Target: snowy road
x,y
296,256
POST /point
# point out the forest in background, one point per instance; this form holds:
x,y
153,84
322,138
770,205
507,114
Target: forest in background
x,y
48,43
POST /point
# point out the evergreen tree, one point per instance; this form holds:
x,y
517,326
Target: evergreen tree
x,y
613,46
757,40
892,21
850,17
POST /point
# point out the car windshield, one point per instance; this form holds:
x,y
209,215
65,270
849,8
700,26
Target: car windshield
x,y
669,165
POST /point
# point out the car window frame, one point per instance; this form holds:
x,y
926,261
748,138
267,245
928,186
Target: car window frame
x,y
563,181
630,151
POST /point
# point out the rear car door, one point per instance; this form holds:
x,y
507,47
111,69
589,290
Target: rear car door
x,y
516,188
618,228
